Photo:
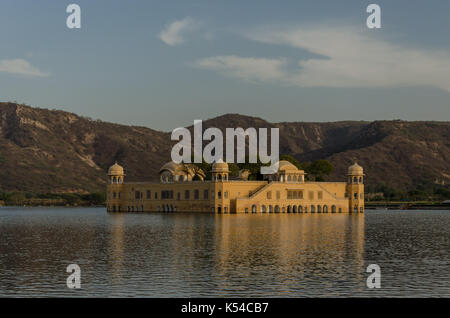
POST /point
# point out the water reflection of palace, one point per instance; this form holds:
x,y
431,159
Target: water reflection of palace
x,y
183,187
293,251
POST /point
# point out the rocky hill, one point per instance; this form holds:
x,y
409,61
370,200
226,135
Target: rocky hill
x,y
55,151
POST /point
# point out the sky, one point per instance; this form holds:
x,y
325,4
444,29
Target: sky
x,y
162,64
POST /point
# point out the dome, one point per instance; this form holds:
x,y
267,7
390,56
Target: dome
x,y
115,170
355,169
171,166
185,170
284,165
220,166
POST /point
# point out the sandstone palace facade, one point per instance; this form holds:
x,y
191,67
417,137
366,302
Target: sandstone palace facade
x,y
182,188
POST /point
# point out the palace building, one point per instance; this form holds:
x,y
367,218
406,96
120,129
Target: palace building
x,y
183,188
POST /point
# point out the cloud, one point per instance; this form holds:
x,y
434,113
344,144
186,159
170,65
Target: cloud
x,y
246,68
174,32
21,67
345,57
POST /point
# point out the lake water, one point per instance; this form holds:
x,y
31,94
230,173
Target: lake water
x,y
194,255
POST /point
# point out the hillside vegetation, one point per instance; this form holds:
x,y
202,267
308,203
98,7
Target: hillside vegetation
x,y
52,151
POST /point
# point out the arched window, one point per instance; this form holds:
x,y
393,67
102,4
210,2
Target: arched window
x,y
277,209
355,209
270,209
263,209
294,209
219,209
360,179
325,209
306,209
289,209
253,208
333,209
313,209
340,210
294,178
284,209
289,178
246,210
355,180
300,209
319,209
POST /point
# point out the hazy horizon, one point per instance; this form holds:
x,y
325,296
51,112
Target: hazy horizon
x,y
221,115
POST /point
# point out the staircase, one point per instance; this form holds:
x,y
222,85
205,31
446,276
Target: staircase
x,y
260,190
